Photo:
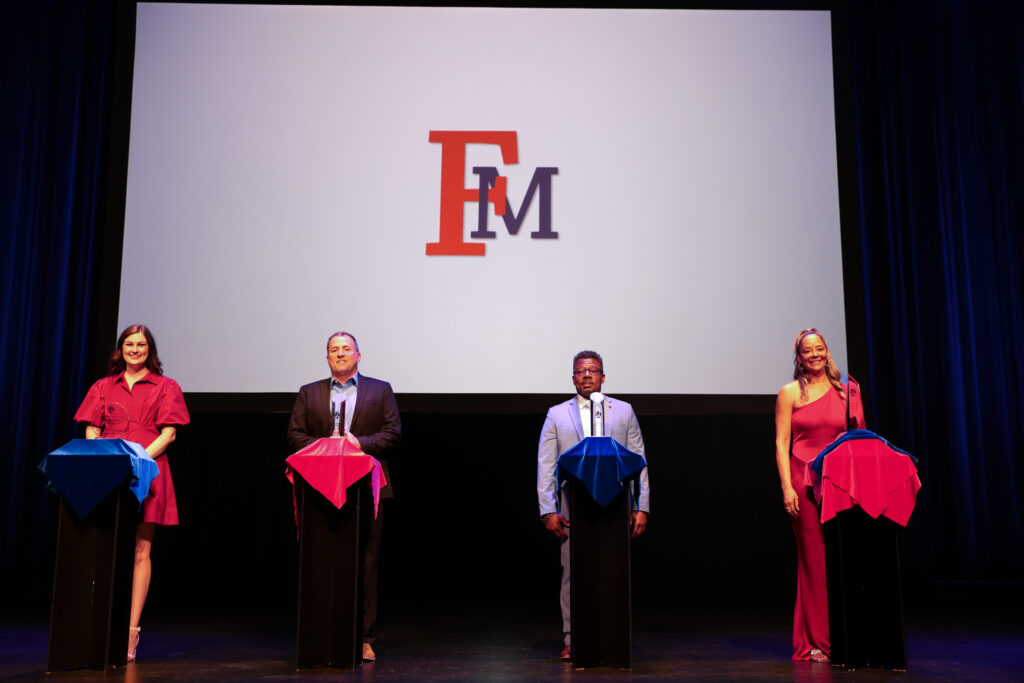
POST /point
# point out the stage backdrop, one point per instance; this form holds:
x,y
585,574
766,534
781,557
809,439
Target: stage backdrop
x,y
939,152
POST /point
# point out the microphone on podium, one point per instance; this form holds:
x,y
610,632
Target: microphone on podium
x,y
338,414
597,414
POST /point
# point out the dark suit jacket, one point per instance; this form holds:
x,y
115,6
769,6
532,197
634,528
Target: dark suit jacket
x,y
376,422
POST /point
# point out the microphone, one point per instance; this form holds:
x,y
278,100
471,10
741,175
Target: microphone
x,y
337,414
597,414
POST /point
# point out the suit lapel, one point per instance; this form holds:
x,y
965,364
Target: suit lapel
x,y
574,414
323,407
362,392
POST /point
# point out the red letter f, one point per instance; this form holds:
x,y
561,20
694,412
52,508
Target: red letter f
x,y
454,194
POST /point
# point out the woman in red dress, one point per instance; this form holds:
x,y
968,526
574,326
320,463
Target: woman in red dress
x,y
809,414
137,403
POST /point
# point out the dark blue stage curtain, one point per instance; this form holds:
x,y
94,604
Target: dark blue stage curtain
x,y
938,90
54,66
938,93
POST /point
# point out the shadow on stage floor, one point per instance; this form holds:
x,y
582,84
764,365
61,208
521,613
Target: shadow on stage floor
x,y
957,640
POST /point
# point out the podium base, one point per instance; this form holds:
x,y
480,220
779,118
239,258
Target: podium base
x,y
865,603
600,580
331,576
92,585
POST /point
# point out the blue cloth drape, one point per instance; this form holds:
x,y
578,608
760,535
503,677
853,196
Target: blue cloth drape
x,y
85,471
603,465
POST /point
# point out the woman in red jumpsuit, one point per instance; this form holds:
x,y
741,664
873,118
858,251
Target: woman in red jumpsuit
x,y
137,403
809,414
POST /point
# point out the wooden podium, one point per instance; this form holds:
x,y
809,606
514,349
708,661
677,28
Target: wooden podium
x,y
865,602
597,472
92,585
331,545
600,580
868,489
337,488
101,483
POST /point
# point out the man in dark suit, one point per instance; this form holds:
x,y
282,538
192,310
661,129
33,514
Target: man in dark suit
x,y
366,409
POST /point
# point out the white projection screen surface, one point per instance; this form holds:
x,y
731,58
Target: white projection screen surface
x,y
667,182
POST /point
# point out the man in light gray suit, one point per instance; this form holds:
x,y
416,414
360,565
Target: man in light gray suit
x,y
566,425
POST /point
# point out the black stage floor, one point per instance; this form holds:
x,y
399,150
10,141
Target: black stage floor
x,y
967,642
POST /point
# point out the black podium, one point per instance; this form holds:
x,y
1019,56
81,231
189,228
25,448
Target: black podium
x,y
868,489
600,597
331,545
865,603
92,584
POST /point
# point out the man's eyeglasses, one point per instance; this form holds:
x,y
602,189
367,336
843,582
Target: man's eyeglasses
x,y
588,371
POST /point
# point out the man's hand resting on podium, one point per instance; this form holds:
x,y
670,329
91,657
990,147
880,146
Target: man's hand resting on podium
x,y
638,523
556,524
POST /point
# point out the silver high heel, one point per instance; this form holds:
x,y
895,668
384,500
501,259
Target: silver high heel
x,y
134,634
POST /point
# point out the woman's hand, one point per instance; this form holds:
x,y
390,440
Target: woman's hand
x,y
160,443
791,501
783,425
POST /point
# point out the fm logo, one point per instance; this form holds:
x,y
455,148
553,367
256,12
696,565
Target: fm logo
x,y
491,190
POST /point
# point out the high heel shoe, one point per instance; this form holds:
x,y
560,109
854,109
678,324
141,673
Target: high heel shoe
x,y
134,633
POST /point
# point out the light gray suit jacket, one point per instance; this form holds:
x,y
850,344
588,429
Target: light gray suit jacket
x,y
563,429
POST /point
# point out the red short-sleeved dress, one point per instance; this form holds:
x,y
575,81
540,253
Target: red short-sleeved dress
x,y
138,414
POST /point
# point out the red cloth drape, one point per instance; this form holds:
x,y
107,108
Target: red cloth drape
x,y
331,465
869,474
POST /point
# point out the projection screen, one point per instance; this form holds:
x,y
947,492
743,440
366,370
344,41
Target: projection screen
x,y
657,185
